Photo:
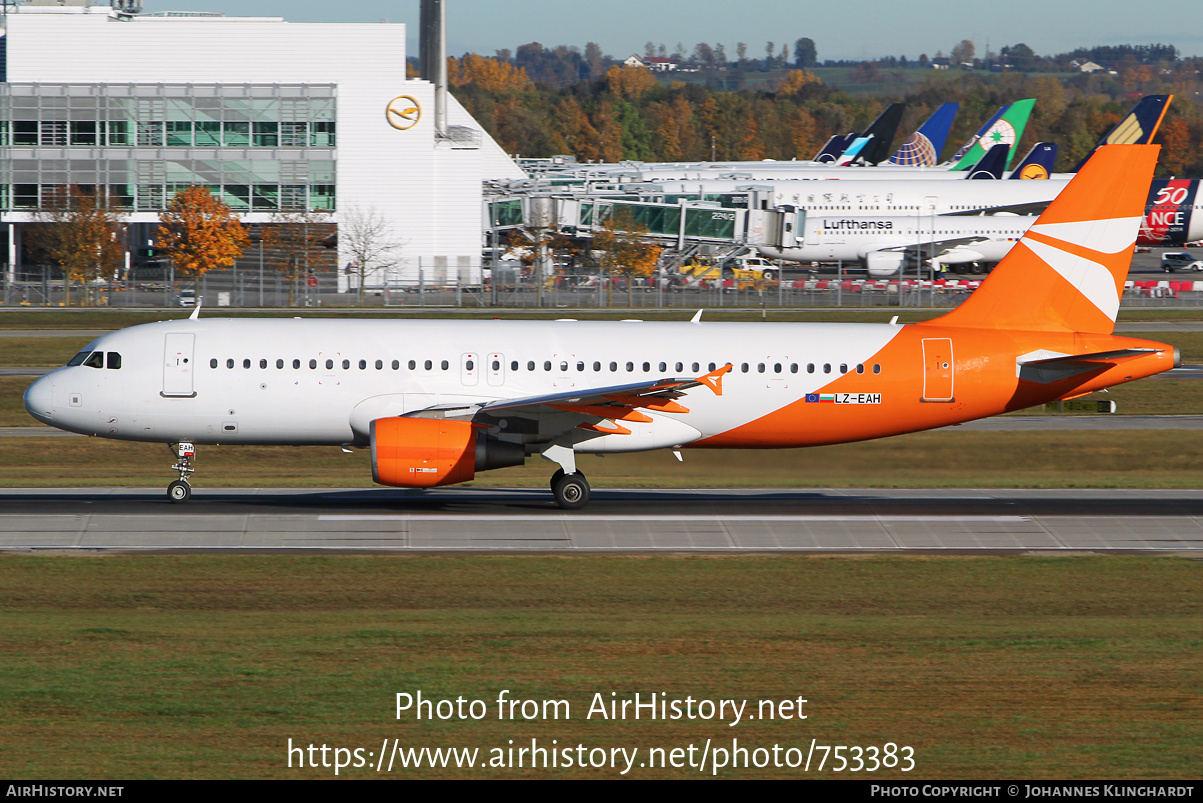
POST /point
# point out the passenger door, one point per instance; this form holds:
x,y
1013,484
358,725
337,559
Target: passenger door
x,y
178,364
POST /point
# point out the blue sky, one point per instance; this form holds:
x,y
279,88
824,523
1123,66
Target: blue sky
x,y
850,29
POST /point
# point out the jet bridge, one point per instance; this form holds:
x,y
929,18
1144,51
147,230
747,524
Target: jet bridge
x,y
740,218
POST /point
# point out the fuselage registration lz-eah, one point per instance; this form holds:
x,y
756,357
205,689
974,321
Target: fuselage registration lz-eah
x,y
438,401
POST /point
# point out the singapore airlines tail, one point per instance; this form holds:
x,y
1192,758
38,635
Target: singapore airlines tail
x,y
1138,128
1068,271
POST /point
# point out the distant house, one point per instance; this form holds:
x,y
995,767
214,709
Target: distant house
x,y
1085,66
940,63
653,63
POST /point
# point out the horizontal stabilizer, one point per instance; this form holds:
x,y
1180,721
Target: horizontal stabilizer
x,y
1054,369
1096,357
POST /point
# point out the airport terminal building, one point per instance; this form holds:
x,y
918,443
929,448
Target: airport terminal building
x,y
271,116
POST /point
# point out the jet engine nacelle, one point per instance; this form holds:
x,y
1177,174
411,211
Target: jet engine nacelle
x,y
425,452
884,263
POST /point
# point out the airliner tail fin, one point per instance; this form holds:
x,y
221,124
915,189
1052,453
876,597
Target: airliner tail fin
x,y
1068,271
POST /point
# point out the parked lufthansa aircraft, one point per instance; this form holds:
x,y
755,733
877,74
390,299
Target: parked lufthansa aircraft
x,y
438,401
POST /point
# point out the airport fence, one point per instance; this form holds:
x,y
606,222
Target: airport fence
x,y
222,289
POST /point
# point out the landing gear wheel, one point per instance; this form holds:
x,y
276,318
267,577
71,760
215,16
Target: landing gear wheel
x,y
571,490
179,491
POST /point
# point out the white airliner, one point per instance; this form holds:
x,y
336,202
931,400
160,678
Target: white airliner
x,y
884,245
438,401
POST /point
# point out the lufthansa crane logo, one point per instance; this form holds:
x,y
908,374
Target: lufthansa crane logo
x,y
1034,172
403,113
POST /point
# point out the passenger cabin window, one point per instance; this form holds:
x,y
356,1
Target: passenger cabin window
x,y
213,363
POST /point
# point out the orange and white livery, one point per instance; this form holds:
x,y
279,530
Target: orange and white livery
x,y
439,401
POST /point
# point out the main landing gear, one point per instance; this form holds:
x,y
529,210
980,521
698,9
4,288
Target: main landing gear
x,y
180,491
571,490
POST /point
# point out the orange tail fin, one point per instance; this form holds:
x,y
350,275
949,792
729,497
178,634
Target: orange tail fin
x,y
1068,271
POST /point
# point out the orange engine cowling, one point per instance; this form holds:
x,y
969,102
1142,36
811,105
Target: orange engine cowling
x,y
424,452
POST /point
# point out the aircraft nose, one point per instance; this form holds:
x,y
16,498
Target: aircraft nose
x,y
39,400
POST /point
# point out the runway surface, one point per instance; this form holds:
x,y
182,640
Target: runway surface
x,y
525,520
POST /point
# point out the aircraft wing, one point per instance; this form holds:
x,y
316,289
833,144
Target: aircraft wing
x,y
586,408
1033,208
940,247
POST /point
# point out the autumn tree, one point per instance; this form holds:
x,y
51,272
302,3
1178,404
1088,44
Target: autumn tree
x,y
295,240
492,75
794,81
82,233
370,240
630,82
963,53
625,247
198,233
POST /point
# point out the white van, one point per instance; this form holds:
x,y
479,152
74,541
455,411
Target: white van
x,y
1180,260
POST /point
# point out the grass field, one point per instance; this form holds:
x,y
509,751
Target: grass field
x,y
205,666
943,459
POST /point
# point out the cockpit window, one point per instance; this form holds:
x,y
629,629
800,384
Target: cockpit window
x,y
78,359
95,360
114,359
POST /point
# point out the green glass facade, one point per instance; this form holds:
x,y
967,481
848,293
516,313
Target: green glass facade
x,y
260,148
665,219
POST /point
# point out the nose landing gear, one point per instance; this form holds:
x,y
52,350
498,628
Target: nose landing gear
x,y
180,491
